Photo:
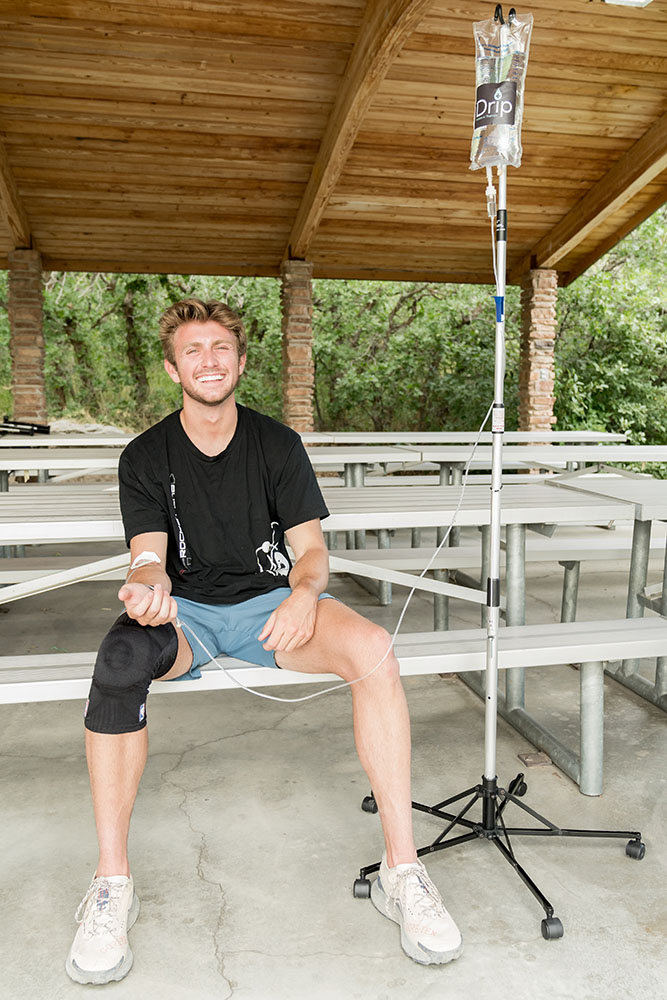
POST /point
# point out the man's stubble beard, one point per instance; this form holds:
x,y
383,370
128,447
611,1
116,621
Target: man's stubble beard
x,y
194,395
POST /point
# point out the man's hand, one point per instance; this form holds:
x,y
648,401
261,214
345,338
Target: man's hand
x,y
148,606
292,623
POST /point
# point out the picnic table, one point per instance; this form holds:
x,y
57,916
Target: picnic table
x,y
457,437
355,458
454,457
64,440
77,513
40,514
648,498
78,461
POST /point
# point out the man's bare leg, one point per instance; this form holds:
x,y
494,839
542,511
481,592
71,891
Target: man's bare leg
x,y
350,646
346,644
101,952
115,764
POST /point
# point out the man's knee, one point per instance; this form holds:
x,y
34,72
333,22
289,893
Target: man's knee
x,y
378,653
130,657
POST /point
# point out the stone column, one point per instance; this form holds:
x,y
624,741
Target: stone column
x,y
26,335
297,328
539,289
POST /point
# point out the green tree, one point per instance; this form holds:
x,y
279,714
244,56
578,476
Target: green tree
x,y
611,348
408,356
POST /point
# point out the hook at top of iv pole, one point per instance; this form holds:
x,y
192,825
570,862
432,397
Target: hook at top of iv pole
x,y
498,16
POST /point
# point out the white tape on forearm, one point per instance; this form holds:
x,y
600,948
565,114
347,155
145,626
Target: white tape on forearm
x,y
145,559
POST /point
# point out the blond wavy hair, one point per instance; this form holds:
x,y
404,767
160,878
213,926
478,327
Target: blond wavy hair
x,y
195,311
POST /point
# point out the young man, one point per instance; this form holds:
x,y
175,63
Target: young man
x,y
208,496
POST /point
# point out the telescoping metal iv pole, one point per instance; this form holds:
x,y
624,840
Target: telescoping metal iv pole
x,y
498,429
501,61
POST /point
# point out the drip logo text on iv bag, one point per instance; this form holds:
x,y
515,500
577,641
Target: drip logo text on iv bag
x,y
495,104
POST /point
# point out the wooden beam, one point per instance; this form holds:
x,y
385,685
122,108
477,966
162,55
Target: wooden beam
x,y
638,166
12,206
386,27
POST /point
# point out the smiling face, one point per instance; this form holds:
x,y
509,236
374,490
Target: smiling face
x,y
207,363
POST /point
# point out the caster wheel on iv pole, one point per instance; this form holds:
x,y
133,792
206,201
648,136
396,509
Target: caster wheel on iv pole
x,y
362,888
552,928
368,804
635,849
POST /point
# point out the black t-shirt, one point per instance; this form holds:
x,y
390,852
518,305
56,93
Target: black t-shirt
x,y
225,515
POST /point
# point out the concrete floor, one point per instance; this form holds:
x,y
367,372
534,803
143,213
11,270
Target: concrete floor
x,y
247,834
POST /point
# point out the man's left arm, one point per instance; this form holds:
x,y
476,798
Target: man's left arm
x,y
293,622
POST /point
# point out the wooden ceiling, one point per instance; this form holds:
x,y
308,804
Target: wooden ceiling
x,y
209,136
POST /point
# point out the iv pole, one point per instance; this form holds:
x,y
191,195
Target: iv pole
x,y
493,798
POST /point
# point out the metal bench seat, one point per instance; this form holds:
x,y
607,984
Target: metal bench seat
x,y
51,677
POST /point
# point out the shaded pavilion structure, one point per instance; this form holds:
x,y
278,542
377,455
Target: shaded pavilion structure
x,y
325,138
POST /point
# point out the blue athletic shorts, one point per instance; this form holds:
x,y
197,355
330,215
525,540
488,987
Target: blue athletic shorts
x,y
230,628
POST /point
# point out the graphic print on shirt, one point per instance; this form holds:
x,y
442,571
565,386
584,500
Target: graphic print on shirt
x,y
269,559
182,547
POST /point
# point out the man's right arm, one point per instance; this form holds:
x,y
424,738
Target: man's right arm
x,y
147,595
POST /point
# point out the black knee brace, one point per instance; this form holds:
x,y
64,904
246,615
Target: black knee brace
x,y
130,657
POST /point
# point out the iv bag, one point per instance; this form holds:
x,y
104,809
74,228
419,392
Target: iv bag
x,y
501,60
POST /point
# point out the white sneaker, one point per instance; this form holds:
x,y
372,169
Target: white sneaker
x,y
101,952
406,895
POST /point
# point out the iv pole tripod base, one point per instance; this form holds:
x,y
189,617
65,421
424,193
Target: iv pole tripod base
x,y
494,801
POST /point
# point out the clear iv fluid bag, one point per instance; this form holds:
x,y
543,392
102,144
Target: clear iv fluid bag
x,y
501,60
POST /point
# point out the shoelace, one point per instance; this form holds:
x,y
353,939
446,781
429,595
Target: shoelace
x,y
424,903
93,916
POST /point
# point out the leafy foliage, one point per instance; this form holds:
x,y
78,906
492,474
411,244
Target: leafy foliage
x,y
611,348
411,356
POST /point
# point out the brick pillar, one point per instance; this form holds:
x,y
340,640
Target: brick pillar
x,y
539,289
26,336
298,369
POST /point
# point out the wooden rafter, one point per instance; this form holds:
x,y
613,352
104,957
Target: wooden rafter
x,y
634,170
12,206
384,30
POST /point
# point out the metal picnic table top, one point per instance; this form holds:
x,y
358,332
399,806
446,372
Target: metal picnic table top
x,y
546,455
337,438
648,495
325,455
64,440
57,458
370,507
456,437
35,513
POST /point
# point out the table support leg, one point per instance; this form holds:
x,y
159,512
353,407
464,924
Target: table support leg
x,y
384,588
354,476
445,474
441,603
568,608
515,613
661,662
5,550
641,541
457,480
591,709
